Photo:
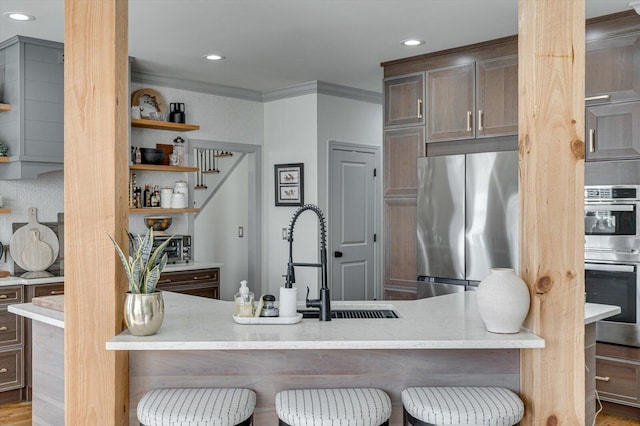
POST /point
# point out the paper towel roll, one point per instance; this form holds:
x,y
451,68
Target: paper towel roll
x,y
288,302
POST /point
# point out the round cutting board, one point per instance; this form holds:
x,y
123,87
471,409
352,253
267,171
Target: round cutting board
x,y
23,236
37,255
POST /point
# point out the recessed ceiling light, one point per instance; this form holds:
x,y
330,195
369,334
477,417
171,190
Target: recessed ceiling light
x,y
19,16
412,42
213,57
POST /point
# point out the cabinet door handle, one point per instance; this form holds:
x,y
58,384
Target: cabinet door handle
x,y
597,98
603,379
419,108
54,292
3,296
480,118
164,281
469,116
3,328
202,277
3,370
592,140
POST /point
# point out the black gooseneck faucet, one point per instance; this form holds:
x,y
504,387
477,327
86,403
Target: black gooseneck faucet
x,y
324,302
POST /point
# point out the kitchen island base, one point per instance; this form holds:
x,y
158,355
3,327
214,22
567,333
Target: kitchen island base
x,y
270,371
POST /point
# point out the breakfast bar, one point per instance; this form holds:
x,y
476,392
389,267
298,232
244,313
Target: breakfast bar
x,y
436,341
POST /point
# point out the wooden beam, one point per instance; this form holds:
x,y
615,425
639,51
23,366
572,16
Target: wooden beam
x,y
551,47
95,204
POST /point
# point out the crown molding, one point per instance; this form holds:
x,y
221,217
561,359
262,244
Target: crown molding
x,y
323,88
196,86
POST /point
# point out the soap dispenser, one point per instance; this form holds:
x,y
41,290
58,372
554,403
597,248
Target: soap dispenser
x,y
244,301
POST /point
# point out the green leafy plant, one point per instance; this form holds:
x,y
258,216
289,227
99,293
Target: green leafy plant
x,y
143,266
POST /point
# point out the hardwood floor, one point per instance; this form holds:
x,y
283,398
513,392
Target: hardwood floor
x,y
19,414
15,414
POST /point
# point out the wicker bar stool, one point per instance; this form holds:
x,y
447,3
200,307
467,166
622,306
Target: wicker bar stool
x,y
336,407
488,406
197,407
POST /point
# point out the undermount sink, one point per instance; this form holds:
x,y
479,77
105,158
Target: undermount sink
x,y
352,313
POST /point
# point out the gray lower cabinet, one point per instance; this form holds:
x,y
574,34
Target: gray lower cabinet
x,y
11,345
613,132
618,379
32,81
196,282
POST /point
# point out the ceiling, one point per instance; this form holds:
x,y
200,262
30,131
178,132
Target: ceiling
x,y
273,44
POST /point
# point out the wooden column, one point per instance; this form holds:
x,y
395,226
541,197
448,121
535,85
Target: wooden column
x,y
551,46
95,204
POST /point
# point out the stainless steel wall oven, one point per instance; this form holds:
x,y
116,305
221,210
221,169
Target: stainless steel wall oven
x,y
612,259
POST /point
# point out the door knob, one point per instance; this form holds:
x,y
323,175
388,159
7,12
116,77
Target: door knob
x,y
337,254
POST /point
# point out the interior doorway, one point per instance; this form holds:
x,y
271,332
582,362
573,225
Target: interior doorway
x,y
228,227
354,222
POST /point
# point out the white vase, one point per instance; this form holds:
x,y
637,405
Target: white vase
x,y
503,301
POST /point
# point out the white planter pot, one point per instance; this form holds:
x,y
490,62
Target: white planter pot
x,y
503,301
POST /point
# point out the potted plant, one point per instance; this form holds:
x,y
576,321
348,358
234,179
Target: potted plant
x,y
144,306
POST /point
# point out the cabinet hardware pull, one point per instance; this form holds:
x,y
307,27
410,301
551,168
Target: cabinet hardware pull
x,y
3,296
480,117
469,115
164,281
3,370
419,108
3,328
202,277
597,98
54,292
604,379
592,140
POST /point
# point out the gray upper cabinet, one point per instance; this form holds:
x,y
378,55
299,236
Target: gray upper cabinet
x,y
497,97
612,72
613,132
403,97
33,84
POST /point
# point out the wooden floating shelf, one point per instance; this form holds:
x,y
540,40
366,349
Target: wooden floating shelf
x,y
163,125
208,172
4,159
154,210
162,168
5,211
5,107
223,155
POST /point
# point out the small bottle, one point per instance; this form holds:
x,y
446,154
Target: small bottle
x,y
244,301
146,196
137,202
155,199
178,150
138,155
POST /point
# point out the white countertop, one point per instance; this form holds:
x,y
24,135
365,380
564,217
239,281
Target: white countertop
x,y
8,281
446,322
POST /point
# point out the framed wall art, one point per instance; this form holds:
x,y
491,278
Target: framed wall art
x,y
289,184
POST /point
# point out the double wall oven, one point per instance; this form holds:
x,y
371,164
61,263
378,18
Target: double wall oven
x,y
612,259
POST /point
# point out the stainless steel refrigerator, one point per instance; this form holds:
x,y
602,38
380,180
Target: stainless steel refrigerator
x,y
467,219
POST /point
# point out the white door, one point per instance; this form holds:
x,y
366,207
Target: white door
x,y
352,224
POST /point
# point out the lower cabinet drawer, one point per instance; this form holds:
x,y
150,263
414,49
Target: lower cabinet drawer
x,y
11,374
617,380
40,290
10,328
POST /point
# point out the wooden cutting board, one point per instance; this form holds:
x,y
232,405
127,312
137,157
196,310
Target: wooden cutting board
x,y
23,236
37,255
51,302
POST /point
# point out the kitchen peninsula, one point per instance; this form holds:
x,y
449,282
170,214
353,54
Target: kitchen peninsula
x,y
435,341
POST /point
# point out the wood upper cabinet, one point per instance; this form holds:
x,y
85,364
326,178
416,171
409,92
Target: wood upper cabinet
x,y
401,149
450,103
475,100
613,131
497,97
403,100
612,72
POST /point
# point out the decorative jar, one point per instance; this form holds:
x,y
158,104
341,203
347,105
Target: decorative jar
x,y
503,301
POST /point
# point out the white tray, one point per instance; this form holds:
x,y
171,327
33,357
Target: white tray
x,y
267,320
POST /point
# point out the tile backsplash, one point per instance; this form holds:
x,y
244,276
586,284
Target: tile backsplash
x,y
45,193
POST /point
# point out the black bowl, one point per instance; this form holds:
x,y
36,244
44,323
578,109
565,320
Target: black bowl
x,y
152,155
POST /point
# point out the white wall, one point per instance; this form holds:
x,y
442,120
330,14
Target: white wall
x,y
290,136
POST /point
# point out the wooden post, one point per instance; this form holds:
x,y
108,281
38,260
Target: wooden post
x,y
95,205
551,45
